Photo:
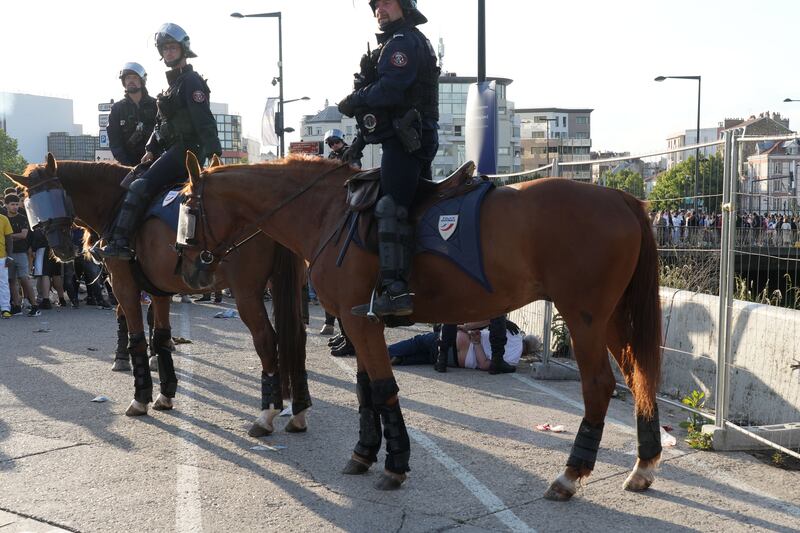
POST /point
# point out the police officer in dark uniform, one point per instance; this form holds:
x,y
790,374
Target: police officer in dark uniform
x,y
184,123
133,118
396,104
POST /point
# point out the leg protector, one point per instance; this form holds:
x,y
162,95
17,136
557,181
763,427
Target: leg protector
x,y
271,396
122,338
150,326
166,369
587,442
648,435
369,422
301,398
142,382
398,447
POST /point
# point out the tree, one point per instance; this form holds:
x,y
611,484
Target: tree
x,y
10,160
625,180
677,184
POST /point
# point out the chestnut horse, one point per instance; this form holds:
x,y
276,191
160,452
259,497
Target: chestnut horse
x,y
94,189
588,249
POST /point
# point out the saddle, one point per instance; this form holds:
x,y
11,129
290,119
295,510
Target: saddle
x,y
363,189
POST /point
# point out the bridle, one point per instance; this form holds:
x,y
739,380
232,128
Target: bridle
x,y
219,253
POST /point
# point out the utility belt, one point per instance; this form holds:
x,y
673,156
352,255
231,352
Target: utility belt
x,y
379,124
167,135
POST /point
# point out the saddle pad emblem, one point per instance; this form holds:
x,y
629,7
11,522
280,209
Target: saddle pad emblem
x,y
447,225
168,199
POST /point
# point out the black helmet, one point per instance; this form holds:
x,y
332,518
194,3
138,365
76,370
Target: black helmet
x,y
172,33
133,68
409,10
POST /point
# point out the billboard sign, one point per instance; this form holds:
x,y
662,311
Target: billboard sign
x,y
105,107
102,120
311,148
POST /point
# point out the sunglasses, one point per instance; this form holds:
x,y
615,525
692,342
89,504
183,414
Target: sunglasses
x,y
331,143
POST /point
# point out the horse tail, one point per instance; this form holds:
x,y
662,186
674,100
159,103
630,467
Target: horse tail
x,y
641,312
291,333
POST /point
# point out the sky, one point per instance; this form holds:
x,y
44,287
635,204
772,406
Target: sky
x,y
581,54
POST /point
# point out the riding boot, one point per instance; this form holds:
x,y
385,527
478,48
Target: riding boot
x,y
395,242
497,339
446,342
118,246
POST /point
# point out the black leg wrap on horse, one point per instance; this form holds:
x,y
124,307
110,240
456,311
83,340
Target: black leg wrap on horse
x,y
398,447
166,369
150,327
648,436
122,338
587,442
301,398
271,395
142,382
369,421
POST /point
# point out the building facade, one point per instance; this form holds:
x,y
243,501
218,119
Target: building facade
x,y
548,132
64,146
29,119
229,130
771,182
688,138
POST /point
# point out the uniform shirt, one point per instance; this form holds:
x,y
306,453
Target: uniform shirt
x,y
19,223
123,119
5,231
185,107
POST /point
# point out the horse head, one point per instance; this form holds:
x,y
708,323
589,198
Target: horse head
x,y
48,207
197,261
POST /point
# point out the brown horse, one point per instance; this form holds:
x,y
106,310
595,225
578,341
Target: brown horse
x,y
588,249
94,189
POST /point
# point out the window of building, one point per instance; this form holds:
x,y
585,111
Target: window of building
x,y
581,121
563,122
581,135
504,150
309,129
457,131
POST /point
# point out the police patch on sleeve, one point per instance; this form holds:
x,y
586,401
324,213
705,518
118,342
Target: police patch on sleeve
x,y
399,59
199,97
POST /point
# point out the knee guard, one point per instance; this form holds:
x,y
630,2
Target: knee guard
x,y
142,382
271,395
301,398
587,442
166,368
369,422
648,436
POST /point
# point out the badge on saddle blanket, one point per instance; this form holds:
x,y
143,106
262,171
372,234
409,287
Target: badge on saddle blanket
x,y
447,225
170,197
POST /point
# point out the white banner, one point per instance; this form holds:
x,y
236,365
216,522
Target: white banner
x,y
268,135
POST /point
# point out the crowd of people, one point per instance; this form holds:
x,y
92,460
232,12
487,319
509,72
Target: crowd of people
x,y
689,228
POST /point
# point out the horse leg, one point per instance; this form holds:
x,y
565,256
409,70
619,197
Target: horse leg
x,y
251,308
648,430
121,357
372,353
598,383
365,453
127,294
161,346
150,328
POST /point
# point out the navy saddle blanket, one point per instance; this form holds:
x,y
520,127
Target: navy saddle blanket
x,y
165,207
451,228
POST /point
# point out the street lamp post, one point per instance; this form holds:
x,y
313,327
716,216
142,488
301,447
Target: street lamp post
x,y
547,136
279,121
697,150
791,99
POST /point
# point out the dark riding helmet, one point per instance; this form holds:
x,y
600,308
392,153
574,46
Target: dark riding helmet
x,y
172,33
133,68
409,10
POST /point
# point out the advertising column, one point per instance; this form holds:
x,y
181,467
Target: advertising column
x,y
481,126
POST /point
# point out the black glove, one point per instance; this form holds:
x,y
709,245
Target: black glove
x,y
354,152
346,106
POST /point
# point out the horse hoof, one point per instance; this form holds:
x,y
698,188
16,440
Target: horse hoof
x,y
136,409
121,365
390,481
162,403
355,468
638,481
561,490
259,431
293,427
153,362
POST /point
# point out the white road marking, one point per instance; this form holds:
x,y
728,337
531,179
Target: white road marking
x,y
489,500
188,511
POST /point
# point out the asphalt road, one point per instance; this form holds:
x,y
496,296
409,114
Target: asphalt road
x,y
478,463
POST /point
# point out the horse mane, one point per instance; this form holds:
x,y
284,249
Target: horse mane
x,y
89,170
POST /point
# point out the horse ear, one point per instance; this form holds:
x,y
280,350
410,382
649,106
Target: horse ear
x,y
215,162
16,178
51,166
193,166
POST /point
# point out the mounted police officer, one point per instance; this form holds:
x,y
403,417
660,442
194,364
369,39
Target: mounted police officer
x,y
334,138
184,123
133,118
396,104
